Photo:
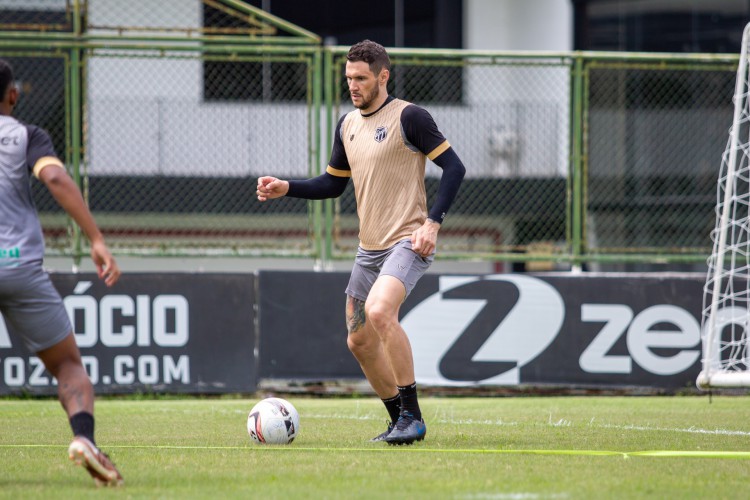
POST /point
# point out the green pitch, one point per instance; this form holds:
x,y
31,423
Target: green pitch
x,y
476,448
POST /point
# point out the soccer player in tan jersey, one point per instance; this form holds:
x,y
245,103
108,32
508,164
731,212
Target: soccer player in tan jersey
x,y
383,146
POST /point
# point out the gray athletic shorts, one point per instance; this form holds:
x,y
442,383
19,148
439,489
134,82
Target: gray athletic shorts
x,y
31,307
399,261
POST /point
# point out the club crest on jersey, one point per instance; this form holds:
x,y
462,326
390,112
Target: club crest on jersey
x,y
381,133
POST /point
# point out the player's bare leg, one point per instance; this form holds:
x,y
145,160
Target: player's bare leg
x,y
381,310
76,394
365,344
74,389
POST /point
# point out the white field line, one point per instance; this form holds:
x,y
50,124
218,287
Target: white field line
x,y
551,422
442,417
689,430
514,496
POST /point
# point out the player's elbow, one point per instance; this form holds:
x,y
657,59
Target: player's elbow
x,y
455,170
460,171
338,191
335,185
54,176
58,181
451,165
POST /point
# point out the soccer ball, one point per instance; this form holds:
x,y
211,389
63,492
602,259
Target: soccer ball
x,y
273,421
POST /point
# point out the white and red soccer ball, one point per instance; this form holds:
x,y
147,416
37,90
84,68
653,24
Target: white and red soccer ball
x,y
273,421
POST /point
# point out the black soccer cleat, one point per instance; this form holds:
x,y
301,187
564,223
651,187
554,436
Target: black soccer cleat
x,y
407,430
382,435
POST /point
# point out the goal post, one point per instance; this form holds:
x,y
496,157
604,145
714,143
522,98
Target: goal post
x,y
725,318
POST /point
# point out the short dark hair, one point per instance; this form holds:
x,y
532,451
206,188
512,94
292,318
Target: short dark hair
x,y
6,77
372,53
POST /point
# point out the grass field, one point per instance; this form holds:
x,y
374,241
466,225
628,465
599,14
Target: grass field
x,y
476,448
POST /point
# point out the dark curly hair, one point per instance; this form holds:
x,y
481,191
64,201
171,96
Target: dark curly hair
x,y
372,53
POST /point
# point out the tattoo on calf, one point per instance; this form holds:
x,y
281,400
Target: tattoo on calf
x,y
355,314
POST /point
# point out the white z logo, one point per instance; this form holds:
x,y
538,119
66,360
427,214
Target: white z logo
x,y
466,333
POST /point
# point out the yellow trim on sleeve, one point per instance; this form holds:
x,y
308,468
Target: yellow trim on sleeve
x,y
338,172
438,150
44,162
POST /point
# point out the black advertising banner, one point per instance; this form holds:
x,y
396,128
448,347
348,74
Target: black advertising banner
x,y
176,333
587,330
604,330
303,327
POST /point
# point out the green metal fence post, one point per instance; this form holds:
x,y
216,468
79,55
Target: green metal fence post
x,y
314,154
74,86
328,85
576,209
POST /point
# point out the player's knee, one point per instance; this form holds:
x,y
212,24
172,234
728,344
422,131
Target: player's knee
x,y
360,344
61,359
379,317
352,343
67,369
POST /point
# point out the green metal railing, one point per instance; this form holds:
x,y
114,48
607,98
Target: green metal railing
x,y
167,121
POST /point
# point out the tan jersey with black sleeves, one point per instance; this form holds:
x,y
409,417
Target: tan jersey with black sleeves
x,y
388,175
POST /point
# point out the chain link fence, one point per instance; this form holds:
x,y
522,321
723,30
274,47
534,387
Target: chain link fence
x,y
175,143
168,111
656,133
179,114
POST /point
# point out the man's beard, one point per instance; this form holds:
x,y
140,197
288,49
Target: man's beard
x,y
368,100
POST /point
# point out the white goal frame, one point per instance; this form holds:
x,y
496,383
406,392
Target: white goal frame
x,y
726,294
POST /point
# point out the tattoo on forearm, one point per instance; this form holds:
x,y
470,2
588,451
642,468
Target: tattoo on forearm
x,y
355,314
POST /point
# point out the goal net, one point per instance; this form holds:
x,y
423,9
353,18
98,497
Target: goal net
x,y
726,295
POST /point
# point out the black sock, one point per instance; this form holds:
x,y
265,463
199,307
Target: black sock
x,y
82,424
409,401
393,405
